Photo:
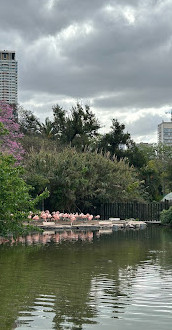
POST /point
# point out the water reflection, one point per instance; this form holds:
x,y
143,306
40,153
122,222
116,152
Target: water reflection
x,y
121,281
146,302
49,236
40,315
55,236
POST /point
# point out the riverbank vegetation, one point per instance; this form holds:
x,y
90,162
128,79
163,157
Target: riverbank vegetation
x,y
69,162
166,216
15,200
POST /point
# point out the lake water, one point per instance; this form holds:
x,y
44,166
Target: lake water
x,y
72,280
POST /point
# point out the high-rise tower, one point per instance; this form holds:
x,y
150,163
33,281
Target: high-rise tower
x,y
8,77
165,133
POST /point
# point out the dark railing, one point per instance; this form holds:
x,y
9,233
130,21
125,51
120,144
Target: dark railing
x,y
141,211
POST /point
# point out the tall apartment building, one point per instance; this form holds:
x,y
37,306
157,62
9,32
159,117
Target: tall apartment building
x,y
165,133
8,77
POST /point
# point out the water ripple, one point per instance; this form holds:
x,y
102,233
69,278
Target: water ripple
x,y
41,314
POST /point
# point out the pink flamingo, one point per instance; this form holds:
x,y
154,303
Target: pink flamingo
x,y
36,217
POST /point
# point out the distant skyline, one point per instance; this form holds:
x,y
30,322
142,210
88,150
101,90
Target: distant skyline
x,y
113,55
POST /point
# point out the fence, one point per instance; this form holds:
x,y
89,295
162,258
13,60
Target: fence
x,y
141,211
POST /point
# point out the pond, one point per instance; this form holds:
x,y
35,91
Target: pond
x,y
87,280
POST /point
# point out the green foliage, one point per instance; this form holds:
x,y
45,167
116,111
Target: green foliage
x,y
15,200
47,129
113,141
120,144
76,128
29,123
3,130
79,128
157,172
35,143
166,216
168,175
135,156
80,180
148,150
152,180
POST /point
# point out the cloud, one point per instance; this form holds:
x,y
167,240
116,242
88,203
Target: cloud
x,y
116,55
136,98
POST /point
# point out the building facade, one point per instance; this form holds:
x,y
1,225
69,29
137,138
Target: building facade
x,y
8,77
165,133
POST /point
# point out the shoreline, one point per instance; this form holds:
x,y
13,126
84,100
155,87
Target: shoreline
x,y
92,225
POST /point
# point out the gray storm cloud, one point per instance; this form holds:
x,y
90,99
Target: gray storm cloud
x,y
116,55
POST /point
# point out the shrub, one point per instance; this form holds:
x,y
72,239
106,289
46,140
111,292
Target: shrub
x,y
166,216
80,180
15,200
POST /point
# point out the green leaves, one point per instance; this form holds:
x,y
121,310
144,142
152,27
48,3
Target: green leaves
x,y
116,141
15,200
157,172
3,130
76,128
80,180
166,216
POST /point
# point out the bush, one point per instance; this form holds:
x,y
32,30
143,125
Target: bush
x,y
166,216
80,180
15,200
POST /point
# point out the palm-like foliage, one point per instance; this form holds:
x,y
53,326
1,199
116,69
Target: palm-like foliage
x,y
47,129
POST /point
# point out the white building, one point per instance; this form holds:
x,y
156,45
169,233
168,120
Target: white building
x,y
165,133
8,77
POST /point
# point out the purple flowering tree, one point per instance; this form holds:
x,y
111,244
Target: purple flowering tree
x,y
9,142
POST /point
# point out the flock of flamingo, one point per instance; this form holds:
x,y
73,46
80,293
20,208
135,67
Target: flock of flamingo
x,y
57,216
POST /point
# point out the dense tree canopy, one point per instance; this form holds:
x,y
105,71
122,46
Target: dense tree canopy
x,y
119,143
156,173
79,128
116,141
79,180
76,128
15,200
80,167
29,123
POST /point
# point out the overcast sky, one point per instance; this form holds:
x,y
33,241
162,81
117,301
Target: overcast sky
x,y
115,56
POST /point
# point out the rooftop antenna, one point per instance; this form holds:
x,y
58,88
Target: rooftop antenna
x,y
170,111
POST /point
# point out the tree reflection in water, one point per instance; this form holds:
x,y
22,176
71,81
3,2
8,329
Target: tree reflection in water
x,y
70,279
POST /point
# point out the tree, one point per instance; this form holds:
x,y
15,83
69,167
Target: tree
x,y
35,133
3,130
10,133
169,175
77,128
47,129
15,200
149,150
79,180
120,144
166,216
29,123
135,156
116,141
60,122
152,180
157,168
